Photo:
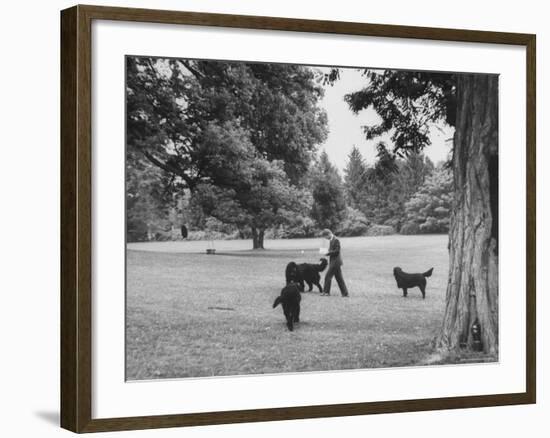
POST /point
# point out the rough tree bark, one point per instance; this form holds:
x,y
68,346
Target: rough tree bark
x,y
472,290
258,238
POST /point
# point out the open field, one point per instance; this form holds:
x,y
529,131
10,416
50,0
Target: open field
x,y
190,314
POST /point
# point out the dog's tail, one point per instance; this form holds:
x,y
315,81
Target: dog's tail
x,y
321,266
428,273
277,301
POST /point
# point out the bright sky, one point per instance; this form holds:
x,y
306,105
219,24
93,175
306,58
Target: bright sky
x,y
345,126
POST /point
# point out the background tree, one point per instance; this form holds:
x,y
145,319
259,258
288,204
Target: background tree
x,y
473,278
355,179
170,104
353,223
161,128
149,201
411,174
429,209
203,122
390,184
408,103
329,202
261,199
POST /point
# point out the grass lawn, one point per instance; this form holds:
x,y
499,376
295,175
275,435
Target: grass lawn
x,y
190,314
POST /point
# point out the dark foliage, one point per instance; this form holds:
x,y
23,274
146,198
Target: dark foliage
x,y
408,103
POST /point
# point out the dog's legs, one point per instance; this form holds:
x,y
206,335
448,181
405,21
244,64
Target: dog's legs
x,y
423,290
289,319
302,286
319,286
405,292
310,285
290,323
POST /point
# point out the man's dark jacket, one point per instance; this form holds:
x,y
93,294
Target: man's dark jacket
x,y
334,253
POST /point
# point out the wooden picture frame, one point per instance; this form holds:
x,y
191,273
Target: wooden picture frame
x,y
76,218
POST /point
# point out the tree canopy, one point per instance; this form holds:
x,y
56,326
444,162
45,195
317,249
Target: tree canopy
x,y
328,194
428,210
173,106
355,178
408,102
218,126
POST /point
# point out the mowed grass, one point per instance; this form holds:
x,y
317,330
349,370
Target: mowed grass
x,y
190,314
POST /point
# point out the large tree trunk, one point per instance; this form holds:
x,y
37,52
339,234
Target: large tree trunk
x,y
258,238
472,290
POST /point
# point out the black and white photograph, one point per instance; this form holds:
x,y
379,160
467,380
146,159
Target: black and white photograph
x,y
285,218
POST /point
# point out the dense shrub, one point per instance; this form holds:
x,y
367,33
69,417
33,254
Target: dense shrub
x,y
212,229
213,224
354,224
211,235
395,222
296,228
302,227
429,210
380,230
410,228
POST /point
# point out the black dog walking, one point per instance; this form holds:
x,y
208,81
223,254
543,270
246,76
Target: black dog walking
x,y
335,264
309,273
290,300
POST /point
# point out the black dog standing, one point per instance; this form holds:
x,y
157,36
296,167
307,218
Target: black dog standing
x,y
291,273
406,281
306,273
290,296
290,299
310,274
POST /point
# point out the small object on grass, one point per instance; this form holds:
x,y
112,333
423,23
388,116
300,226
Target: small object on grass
x,y
210,251
220,308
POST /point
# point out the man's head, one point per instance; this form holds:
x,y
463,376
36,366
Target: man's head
x,y
326,233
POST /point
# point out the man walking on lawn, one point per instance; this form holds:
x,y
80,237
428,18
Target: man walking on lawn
x,y
335,264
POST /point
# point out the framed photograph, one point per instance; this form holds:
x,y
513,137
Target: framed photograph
x,y
270,218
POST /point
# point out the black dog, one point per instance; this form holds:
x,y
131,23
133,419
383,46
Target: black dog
x,y
291,273
309,273
406,281
290,299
